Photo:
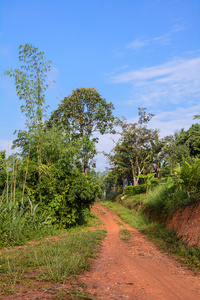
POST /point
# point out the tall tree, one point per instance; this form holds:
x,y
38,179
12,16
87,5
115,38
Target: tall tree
x,y
183,145
30,82
137,148
83,113
190,138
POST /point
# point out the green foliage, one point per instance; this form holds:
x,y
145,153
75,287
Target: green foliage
x,y
79,195
191,139
150,180
54,181
179,190
20,221
56,261
137,149
84,112
165,199
135,202
30,81
183,145
81,114
97,183
55,154
135,189
190,175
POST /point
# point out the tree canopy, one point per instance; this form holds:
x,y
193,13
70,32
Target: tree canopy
x,y
81,114
137,148
84,112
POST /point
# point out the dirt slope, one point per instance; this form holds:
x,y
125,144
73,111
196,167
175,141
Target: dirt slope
x,y
187,224
136,270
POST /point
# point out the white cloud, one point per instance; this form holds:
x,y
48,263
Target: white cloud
x,y
164,39
105,144
174,81
178,27
137,44
170,121
123,67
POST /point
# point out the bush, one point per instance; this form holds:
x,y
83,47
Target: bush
x,y
68,207
190,175
135,202
135,189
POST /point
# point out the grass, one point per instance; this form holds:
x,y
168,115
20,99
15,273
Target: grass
x,y
125,235
102,212
165,239
165,200
119,223
72,294
134,202
50,261
92,220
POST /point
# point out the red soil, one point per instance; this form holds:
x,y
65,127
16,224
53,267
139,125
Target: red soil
x,y
187,224
136,270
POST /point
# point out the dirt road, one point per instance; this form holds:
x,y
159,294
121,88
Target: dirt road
x,y
137,269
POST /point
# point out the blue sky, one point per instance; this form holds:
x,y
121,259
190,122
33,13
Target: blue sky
x,y
136,53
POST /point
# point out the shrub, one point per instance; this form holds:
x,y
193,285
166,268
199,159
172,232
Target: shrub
x,y
190,175
135,189
67,208
135,202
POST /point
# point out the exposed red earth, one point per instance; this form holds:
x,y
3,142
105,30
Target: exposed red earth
x,y
134,270
187,224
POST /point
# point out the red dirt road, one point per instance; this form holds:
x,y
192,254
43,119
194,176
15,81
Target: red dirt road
x,y
137,269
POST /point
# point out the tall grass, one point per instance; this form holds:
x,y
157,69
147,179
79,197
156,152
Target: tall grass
x,y
165,199
20,218
20,221
51,261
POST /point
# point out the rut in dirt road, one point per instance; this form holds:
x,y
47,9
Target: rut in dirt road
x,y
136,270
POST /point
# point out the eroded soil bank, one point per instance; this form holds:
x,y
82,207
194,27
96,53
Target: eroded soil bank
x,y
187,224
137,269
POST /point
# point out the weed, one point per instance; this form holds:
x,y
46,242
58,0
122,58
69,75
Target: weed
x,y
119,223
103,213
125,235
94,220
51,261
76,294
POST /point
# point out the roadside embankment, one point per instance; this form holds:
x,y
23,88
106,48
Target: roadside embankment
x,y
186,223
